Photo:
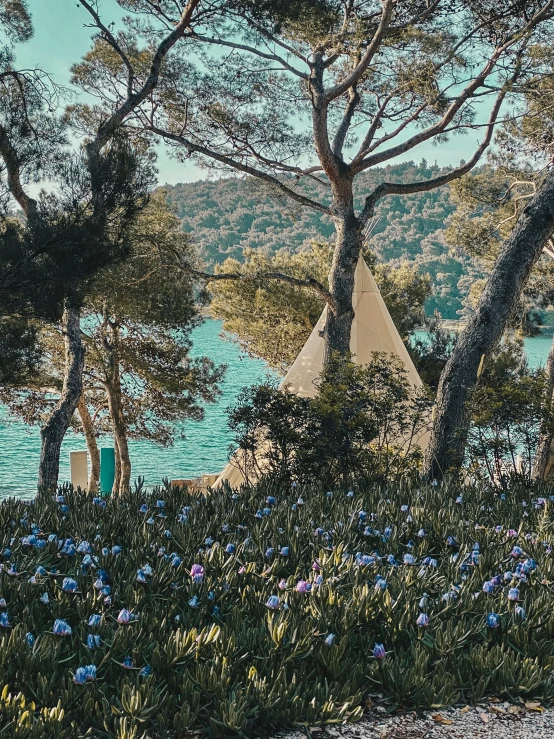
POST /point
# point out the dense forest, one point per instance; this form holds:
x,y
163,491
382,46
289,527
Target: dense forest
x,y
227,215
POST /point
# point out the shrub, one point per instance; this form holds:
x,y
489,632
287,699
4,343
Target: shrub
x,y
267,608
362,422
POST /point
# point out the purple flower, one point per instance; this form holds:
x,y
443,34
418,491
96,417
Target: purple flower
x,y
85,675
488,587
303,587
379,651
422,620
61,628
513,594
196,570
125,616
282,584
273,602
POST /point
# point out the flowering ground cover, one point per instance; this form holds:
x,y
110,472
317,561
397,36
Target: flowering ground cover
x,y
161,614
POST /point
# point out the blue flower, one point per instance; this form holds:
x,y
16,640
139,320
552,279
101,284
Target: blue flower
x,y
85,674
329,639
160,504
193,602
69,585
409,559
84,548
230,548
44,598
271,500
143,508
269,552
94,620
379,651
513,594
128,663
40,572
61,628
273,602
93,641
488,587
285,551
493,620
30,638
145,671
519,613
4,620
116,549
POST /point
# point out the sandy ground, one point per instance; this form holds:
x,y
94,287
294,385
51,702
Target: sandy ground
x,y
487,721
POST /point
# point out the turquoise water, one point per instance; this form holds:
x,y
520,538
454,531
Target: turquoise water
x,y
205,448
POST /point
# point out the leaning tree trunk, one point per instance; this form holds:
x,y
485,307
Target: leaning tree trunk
x,y
92,446
53,432
347,249
519,253
544,458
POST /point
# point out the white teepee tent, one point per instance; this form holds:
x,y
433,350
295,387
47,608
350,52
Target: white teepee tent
x,y
373,330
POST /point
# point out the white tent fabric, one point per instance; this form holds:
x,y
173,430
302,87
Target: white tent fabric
x,y
373,330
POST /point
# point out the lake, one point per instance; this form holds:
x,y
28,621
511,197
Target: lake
x,y
205,448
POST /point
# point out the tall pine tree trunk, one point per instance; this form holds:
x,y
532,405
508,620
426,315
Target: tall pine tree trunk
x,y
92,446
117,471
519,253
543,463
53,432
341,277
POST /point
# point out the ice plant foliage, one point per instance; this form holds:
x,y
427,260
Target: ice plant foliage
x,y
100,610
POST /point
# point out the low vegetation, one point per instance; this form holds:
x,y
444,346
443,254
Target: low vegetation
x,y
238,613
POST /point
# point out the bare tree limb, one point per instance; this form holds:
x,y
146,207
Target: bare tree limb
x,y
193,148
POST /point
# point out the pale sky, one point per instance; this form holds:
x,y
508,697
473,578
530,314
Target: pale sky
x,y
61,38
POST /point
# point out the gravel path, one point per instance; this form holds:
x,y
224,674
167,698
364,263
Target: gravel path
x,y
487,721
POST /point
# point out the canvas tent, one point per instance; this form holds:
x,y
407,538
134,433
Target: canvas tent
x,y
373,330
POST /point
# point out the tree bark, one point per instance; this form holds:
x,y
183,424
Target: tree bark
x,y
117,469
348,245
519,253
122,481
92,446
115,406
53,432
544,457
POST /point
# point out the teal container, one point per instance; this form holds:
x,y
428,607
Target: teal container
x,y
107,470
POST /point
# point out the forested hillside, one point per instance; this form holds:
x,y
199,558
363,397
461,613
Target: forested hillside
x,y
227,215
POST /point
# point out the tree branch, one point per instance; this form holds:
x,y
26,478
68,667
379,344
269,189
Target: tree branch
x,y
13,169
397,188
310,282
108,127
193,148
342,130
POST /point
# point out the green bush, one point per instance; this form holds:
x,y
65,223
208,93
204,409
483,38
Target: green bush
x,y
363,422
225,663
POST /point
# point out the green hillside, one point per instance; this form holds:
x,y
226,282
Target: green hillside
x,y
227,215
